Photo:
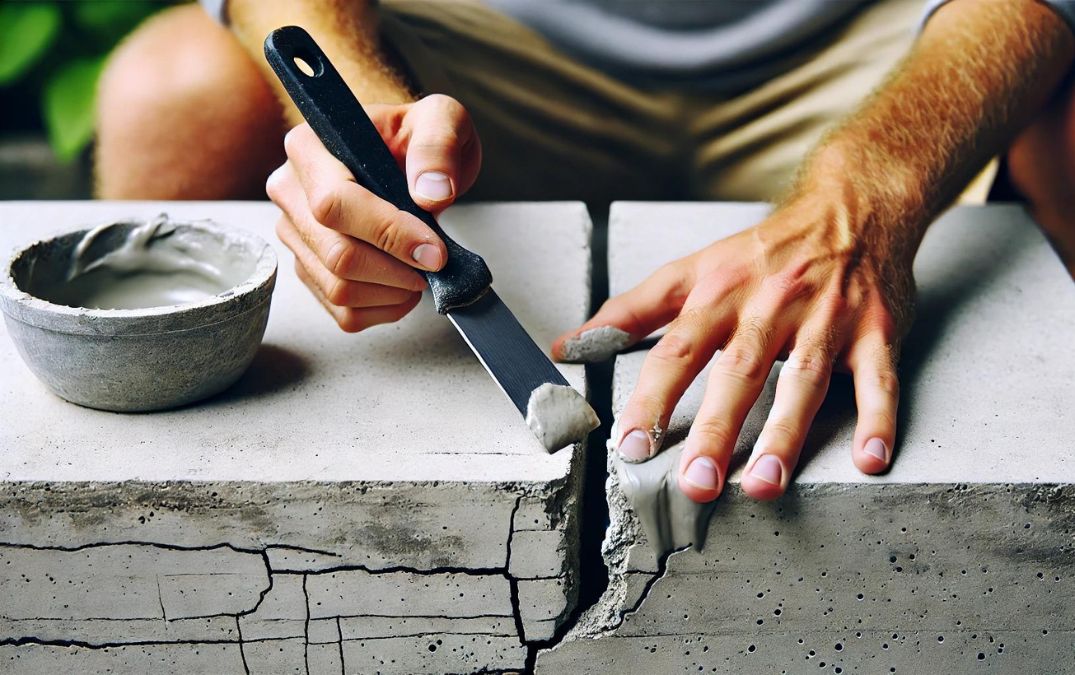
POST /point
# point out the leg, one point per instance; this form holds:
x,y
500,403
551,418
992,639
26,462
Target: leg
x,y
1041,166
183,113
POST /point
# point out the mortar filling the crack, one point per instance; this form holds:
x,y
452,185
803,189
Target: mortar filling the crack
x,y
559,416
670,519
155,264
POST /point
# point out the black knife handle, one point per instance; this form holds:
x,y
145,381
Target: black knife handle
x,y
343,126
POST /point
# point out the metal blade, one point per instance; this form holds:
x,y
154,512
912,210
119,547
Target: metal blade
x,y
505,349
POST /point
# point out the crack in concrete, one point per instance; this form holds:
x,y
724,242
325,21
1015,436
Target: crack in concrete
x,y
160,599
242,652
306,627
513,584
339,646
662,570
532,646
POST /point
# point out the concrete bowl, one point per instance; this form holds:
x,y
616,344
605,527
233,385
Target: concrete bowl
x,y
136,360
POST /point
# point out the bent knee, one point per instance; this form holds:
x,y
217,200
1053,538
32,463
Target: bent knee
x,y
178,92
182,59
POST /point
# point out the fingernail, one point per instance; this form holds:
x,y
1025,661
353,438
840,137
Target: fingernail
x,y
434,186
428,256
701,473
768,469
876,447
635,446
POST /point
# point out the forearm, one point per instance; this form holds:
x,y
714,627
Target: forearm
x,y
977,74
347,31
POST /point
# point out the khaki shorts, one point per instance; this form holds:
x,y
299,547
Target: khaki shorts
x,y
554,128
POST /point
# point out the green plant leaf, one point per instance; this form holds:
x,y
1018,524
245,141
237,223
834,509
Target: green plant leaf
x,y
27,30
69,101
110,20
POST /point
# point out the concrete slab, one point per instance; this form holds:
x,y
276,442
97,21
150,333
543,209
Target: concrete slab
x,y
376,473
961,557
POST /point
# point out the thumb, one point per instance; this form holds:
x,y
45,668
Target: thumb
x,y
443,153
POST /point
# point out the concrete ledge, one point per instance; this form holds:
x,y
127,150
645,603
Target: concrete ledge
x,y
370,501
961,557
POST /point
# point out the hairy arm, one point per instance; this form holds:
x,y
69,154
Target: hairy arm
x,y
977,74
347,31
826,278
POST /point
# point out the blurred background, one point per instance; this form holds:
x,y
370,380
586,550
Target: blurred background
x,y
51,54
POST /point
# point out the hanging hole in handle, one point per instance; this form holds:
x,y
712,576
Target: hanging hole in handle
x,y
304,67
308,64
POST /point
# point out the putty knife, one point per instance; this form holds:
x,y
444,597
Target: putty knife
x,y
461,290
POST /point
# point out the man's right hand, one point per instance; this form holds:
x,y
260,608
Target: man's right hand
x,y
357,253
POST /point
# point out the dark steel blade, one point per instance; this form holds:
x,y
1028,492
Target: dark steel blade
x,y
506,350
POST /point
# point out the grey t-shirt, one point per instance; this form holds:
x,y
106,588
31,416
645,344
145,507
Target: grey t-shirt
x,y
720,45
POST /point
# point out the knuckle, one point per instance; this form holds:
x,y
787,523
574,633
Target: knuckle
x,y
754,332
714,433
337,293
781,434
785,286
351,321
811,367
446,105
887,382
274,184
341,259
741,363
673,348
326,204
295,139
713,287
388,233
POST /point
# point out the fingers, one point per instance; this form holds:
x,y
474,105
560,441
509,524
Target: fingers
x,y
634,315
668,370
327,254
873,364
335,200
442,150
334,288
735,380
352,319
800,391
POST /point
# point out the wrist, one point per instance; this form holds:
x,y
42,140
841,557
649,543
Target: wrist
x,y
876,206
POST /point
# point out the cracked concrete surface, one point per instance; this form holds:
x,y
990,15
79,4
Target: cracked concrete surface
x,y
960,559
246,534
329,513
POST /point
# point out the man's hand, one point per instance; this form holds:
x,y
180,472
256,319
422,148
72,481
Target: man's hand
x,y
801,283
827,277
356,252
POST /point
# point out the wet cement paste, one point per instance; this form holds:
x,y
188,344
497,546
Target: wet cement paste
x,y
596,344
670,519
157,264
559,416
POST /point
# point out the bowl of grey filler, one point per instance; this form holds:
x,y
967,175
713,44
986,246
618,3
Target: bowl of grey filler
x,y
137,316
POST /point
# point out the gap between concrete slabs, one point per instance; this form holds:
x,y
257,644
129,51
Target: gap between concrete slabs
x,y
960,557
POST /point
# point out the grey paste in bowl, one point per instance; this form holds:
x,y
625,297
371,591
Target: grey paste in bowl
x,y
139,315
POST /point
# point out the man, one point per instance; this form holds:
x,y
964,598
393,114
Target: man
x,y
615,99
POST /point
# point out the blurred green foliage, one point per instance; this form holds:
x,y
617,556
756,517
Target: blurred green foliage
x,y
53,54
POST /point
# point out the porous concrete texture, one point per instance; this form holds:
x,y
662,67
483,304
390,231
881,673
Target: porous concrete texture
x,y
960,559
365,502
